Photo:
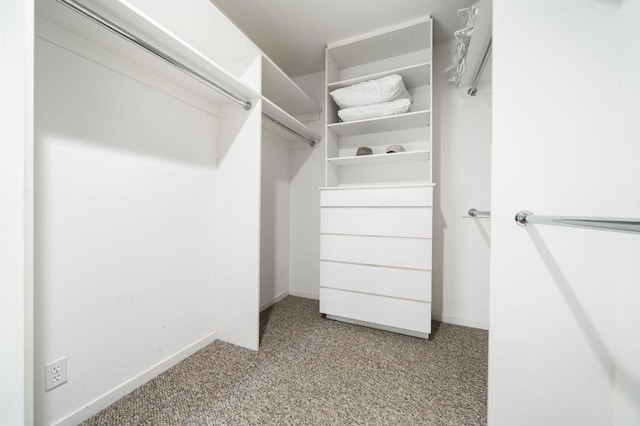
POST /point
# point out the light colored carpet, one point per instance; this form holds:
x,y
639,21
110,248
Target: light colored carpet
x,y
314,371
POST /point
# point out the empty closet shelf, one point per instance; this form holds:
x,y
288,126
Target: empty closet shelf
x,y
409,120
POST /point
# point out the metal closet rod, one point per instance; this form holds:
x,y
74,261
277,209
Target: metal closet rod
x,y
524,218
473,90
104,22
311,142
479,213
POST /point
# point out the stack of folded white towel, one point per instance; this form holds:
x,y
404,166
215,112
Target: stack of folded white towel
x,y
371,99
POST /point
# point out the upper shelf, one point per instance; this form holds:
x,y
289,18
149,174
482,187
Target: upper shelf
x,y
412,76
284,92
184,33
379,45
61,25
377,53
282,136
409,120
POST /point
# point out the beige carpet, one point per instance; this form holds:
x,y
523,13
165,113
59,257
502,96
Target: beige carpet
x,y
314,371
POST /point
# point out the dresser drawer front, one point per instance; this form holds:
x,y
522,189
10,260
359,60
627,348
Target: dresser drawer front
x,y
409,197
390,312
385,251
381,221
403,283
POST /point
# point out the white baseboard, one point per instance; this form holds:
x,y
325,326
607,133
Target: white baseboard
x,y
94,407
305,294
464,321
273,301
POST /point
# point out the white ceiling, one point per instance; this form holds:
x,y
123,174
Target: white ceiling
x,y
294,33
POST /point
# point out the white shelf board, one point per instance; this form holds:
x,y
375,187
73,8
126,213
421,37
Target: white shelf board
x,y
409,120
412,76
68,25
414,184
284,92
385,43
281,136
398,157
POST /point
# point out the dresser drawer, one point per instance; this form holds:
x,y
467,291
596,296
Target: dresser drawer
x,y
385,251
399,197
390,312
403,283
382,221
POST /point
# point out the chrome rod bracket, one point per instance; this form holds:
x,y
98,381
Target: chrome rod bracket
x,y
521,217
475,213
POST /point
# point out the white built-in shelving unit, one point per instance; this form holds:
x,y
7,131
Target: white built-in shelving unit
x,y
405,50
376,210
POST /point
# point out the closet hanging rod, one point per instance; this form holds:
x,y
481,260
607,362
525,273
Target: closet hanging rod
x,y
524,218
104,22
479,213
473,90
290,130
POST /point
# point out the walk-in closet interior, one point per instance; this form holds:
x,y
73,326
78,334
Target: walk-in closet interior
x,y
319,212
185,182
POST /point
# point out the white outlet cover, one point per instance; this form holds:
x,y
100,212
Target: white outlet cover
x,y
55,374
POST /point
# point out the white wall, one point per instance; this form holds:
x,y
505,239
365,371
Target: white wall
x,y
125,231
462,170
274,223
627,377
16,169
307,175
564,318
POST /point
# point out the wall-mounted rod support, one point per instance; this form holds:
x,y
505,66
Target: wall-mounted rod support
x,y
479,213
104,22
473,90
288,129
524,218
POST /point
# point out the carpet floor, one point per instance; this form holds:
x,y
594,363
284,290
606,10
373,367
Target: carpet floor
x,y
314,371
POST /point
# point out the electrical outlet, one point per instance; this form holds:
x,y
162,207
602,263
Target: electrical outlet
x,y
55,374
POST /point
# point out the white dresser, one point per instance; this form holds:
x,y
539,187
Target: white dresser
x,y
375,257
376,209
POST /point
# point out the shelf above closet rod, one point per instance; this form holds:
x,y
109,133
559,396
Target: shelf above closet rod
x,y
114,28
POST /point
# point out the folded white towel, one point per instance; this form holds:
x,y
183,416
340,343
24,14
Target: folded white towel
x,y
370,92
384,109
